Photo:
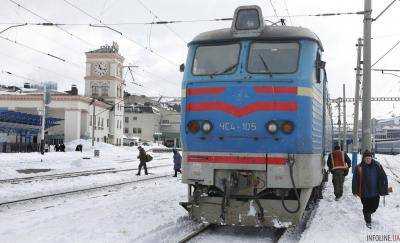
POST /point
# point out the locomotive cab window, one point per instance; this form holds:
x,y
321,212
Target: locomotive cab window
x,y
273,58
216,60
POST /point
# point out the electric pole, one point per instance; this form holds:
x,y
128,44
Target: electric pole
x,y
366,98
43,120
356,104
93,120
344,120
339,124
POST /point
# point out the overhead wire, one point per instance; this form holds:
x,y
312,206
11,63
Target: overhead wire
x,y
122,34
49,23
386,53
158,18
19,76
164,22
287,11
273,7
39,16
41,52
36,66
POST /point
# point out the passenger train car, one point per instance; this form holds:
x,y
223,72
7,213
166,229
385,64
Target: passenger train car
x,y
387,147
256,122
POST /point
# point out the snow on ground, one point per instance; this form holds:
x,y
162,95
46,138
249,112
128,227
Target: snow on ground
x,y
342,221
59,162
149,211
143,212
112,157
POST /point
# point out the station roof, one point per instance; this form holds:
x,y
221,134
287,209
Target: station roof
x,y
23,123
272,33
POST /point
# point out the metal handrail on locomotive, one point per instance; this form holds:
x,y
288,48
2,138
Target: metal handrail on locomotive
x,y
256,122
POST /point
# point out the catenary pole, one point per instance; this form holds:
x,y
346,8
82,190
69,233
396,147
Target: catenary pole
x,y
43,120
93,121
366,97
356,104
344,121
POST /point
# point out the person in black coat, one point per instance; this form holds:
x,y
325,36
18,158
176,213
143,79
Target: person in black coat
x,y
143,159
62,147
369,183
177,162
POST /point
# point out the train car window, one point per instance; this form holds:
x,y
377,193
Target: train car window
x,y
273,58
216,60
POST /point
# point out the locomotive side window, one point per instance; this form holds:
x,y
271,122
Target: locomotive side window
x,y
319,69
272,58
215,60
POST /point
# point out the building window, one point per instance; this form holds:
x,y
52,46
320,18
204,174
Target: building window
x,y
108,122
126,119
139,130
102,122
134,118
95,91
126,130
165,122
135,130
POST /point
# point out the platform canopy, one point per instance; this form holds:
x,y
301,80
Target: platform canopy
x,y
13,122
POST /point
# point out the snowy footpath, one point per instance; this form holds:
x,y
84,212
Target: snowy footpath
x,y
342,221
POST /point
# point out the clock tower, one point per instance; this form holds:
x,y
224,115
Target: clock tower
x,y
104,82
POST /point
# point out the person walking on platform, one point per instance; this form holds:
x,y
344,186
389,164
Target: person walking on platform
x,y
338,164
143,159
177,162
369,182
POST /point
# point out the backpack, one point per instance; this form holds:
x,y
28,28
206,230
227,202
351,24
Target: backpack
x,y
148,158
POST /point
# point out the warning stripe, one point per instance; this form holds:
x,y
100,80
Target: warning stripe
x,y
275,89
290,106
205,91
235,160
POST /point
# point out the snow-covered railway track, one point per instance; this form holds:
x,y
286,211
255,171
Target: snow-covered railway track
x,y
391,169
210,232
193,234
82,190
70,174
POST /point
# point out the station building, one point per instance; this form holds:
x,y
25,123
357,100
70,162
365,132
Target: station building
x,y
101,107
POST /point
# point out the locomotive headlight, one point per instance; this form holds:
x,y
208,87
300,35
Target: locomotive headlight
x,y
247,19
206,126
193,126
272,127
287,127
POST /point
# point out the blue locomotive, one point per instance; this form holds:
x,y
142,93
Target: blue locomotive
x,y
256,122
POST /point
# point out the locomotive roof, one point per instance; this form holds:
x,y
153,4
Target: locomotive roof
x,y
268,33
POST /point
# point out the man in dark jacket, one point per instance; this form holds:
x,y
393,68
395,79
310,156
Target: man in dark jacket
x,y
177,162
143,159
369,182
338,164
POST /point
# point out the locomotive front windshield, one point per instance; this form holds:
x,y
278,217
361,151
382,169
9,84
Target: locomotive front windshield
x,y
273,58
216,59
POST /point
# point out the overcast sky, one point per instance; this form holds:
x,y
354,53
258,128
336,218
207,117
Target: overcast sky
x,y
160,77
